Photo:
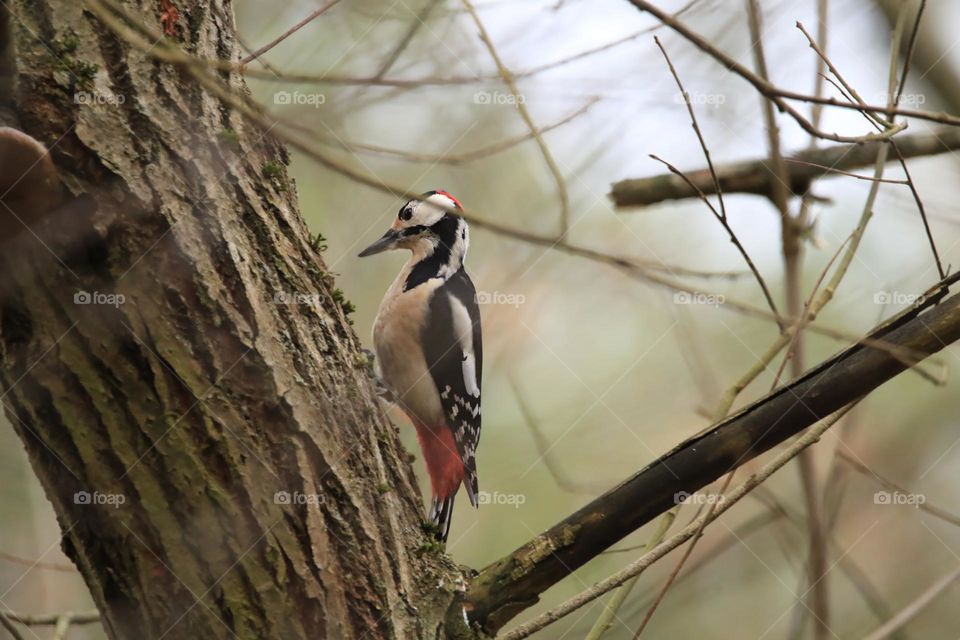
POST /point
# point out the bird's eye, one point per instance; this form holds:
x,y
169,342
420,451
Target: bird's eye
x,y
406,213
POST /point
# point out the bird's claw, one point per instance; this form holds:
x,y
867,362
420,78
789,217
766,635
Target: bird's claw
x,y
379,385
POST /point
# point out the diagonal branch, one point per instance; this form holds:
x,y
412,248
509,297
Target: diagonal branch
x,y
289,32
515,582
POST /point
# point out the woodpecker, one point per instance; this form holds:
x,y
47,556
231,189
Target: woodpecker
x,y
427,342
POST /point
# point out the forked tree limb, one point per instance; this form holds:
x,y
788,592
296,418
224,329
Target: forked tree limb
x,y
515,582
756,177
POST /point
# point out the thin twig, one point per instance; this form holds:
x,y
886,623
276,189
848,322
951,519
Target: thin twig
x,y
908,58
855,97
466,156
903,162
555,470
850,174
520,101
920,208
722,219
609,612
909,612
9,626
289,32
419,21
51,619
764,87
936,512
37,564
792,347
646,560
694,124
683,559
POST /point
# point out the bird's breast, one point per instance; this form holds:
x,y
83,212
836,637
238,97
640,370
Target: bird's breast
x,y
397,342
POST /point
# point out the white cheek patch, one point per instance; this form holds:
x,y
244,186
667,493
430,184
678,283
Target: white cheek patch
x,y
463,329
428,213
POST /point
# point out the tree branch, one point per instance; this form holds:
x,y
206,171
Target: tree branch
x,y
514,583
756,177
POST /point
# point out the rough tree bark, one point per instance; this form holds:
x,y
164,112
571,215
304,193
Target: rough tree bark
x,y
198,397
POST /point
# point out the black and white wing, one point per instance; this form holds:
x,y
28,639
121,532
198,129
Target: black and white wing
x,y
454,353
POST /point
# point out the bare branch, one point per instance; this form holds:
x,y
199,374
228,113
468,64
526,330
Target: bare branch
x,y
909,612
52,619
466,156
761,85
514,583
616,601
520,103
754,176
8,625
37,564
289,32
861,468
722,219
419,21
645,561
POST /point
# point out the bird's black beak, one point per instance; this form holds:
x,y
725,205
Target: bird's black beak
x,y
388,241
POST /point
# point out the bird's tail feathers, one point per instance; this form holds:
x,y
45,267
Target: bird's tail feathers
x,y
472,486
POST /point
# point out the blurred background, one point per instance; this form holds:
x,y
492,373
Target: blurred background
x,y
590,374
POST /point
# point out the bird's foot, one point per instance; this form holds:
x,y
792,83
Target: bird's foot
x,y
383,391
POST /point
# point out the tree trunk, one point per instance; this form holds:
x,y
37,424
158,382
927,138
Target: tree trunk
x,y
168,394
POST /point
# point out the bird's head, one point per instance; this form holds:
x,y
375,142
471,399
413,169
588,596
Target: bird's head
x,y
425,227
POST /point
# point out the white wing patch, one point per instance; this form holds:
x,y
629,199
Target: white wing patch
x,y
463,329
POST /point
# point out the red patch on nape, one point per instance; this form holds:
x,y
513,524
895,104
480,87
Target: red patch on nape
x,y
441,457
455,201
